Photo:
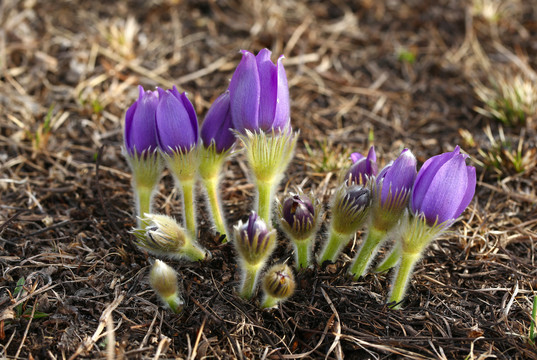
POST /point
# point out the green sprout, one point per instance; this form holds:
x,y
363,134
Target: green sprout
x,y
42,133
22,310
406,56
325,157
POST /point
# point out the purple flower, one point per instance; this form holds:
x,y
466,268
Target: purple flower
x,y
363,167
254,240
177,124
217,126
140,132
396,180
259,94
444,187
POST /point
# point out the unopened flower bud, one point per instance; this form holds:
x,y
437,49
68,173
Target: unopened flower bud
x,y
278,284
299,216
163,279
254,240
350,208
162,235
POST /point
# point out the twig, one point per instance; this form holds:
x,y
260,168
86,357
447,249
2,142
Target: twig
x,y
27,328
88,343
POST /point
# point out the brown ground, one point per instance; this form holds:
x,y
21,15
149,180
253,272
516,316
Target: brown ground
x,y
66,201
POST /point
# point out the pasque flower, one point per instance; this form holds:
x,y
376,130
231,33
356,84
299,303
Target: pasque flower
x,y
443,189
177,135
254,242
259,93
259,101
217,127
299,217
278,285
390,199
363,167
140,149
218,139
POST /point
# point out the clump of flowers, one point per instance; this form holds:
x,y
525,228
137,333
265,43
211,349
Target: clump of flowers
x,y
254,242
163,279
278,285
391,192
443,189
259,101
299,218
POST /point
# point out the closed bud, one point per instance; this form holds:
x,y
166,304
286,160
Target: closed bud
x,y
254,240
363,168
298,216
163,279
278,284
162,235
350,208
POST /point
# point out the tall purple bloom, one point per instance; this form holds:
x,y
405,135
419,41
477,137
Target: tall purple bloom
x,y
140,132
218,126
177,124
259,94
395,181
363,167
444,187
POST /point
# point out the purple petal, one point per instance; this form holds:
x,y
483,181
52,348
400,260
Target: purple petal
x,y
140,123
174,126
191,114
129,116
445,191
268,82
217,126
470,191
244,92
426,175
356,157
281,116
400,176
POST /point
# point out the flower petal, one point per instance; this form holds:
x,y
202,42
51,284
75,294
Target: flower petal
x,y
218,125
244,90
282,114
141,133
268,89
174,128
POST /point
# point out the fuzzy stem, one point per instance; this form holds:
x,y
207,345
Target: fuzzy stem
x,y
302,252
175,303
250,273
365,255
392,259
193,252
402,278
144,199
265,190
269,302
189,210
334,245
211,185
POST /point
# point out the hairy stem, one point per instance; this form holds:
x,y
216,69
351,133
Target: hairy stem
x,y
367,251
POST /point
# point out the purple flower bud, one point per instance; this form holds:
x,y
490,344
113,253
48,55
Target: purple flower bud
x,y
218,126
177,124
444,187
298,211
254,240
259,94
140,132
363,167
396,180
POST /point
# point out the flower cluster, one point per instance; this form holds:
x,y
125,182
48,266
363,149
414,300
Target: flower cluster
x,y
161,129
